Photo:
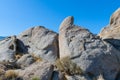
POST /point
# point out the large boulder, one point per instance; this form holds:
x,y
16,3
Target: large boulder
x,y
40,70
111,33
88,51
8,49
40,42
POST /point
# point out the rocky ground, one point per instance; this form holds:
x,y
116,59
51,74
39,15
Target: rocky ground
x,y
73,54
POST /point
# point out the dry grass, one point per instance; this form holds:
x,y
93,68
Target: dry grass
x,y
67,66
37,59
11,74
2,72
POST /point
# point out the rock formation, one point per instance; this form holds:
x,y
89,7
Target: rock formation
x,y
40,42
41,70
93,55
113,28
111,32
74,54
8,49
25,61
68,22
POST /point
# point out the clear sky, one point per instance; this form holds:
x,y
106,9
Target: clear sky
x,y
19,15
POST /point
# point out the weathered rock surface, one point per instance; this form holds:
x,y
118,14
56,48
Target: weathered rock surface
x,y
111,33
41,70
25,61
58,76
8,49
62,34
88,51
83,55
77,77
113,29
40,42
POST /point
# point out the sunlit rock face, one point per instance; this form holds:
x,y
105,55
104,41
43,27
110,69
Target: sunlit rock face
x,y
113,28
40,42
111,33
8,49
73,54
88,51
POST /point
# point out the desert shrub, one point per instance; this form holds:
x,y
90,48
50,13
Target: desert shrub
x,y
66,65
11,74
35,78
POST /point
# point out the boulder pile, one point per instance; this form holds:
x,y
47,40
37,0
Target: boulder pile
x,y
73,54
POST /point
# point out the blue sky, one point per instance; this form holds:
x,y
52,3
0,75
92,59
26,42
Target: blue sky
x,y
19,15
